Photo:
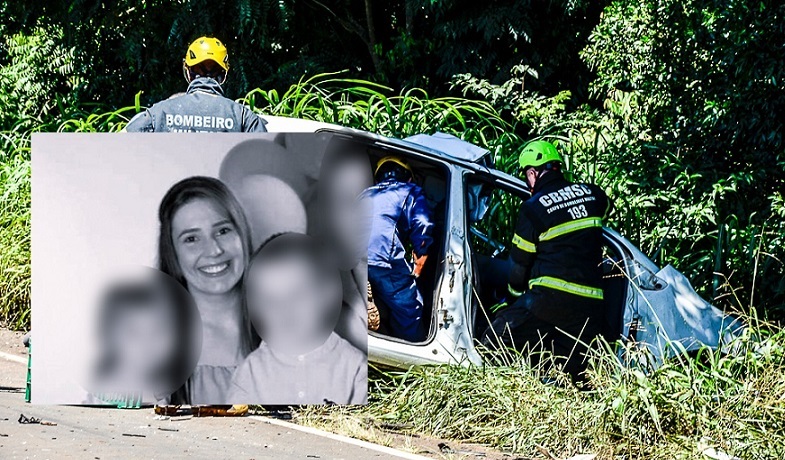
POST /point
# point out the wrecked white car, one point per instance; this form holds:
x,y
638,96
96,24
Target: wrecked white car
x,y
651,306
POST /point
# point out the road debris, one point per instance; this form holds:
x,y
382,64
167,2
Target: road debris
x,y
12,390
25,420
396,427
167,429
278,414
134,435
237,410
445,448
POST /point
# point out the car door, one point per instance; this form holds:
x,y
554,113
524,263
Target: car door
x,y
449,340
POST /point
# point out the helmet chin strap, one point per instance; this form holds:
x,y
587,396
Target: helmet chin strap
x,y
186,73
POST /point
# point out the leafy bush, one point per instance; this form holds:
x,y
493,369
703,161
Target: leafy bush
x,y
124,45
35,77
701,137
15,242
375,108
695,181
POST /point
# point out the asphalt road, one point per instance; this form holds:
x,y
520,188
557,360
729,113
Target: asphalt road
x,y
100,433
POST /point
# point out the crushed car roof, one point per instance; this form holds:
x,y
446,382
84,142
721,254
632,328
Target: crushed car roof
x,y
450,145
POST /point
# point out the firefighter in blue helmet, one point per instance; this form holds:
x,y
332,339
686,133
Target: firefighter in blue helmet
x,y
203,107
555,301
400,218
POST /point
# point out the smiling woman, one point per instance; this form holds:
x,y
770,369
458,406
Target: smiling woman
x,y
204,243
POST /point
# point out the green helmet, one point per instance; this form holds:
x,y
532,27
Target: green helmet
x,y
538,153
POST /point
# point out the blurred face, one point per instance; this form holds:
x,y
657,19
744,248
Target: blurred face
x,y
347,218
143,342
208,247
295,307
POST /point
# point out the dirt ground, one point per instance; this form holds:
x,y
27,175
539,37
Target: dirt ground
x,y
446,449
12,372
11,342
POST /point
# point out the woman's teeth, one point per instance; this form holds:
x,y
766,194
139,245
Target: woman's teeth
x,y
214,269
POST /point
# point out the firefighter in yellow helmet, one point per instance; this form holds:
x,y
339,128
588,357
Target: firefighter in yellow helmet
x,y
203,107
401,217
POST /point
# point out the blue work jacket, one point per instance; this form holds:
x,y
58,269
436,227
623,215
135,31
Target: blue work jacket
x,y
400,216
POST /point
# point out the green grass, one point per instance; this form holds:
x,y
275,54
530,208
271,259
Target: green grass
x,y
730,403
15,215
15,242
371,107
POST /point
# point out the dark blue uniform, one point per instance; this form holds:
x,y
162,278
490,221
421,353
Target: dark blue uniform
x,y
400,216
556,265
203,109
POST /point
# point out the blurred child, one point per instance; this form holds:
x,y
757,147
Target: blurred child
x,y
294,297
148,340
344,220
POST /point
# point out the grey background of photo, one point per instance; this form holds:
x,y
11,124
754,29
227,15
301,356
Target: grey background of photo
x,y
94,211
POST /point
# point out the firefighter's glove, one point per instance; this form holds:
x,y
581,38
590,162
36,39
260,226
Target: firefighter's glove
x,y
499,306
419,263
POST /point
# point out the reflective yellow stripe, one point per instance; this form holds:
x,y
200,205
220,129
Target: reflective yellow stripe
x,y
569,227
566,286
523,245
513,291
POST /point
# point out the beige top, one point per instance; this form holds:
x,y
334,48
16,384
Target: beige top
x,y
336,372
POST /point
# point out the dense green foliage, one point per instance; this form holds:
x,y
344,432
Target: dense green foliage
x,y
122,46
15,241
681,119
689,138
359,104
706,88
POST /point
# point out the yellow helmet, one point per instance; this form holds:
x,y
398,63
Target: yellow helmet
x,y
206,48
396,161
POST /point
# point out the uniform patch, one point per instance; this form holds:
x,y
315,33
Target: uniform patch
x,y
181,122
567,193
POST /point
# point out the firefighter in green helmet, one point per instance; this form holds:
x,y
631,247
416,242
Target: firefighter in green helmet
x,y
555,302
